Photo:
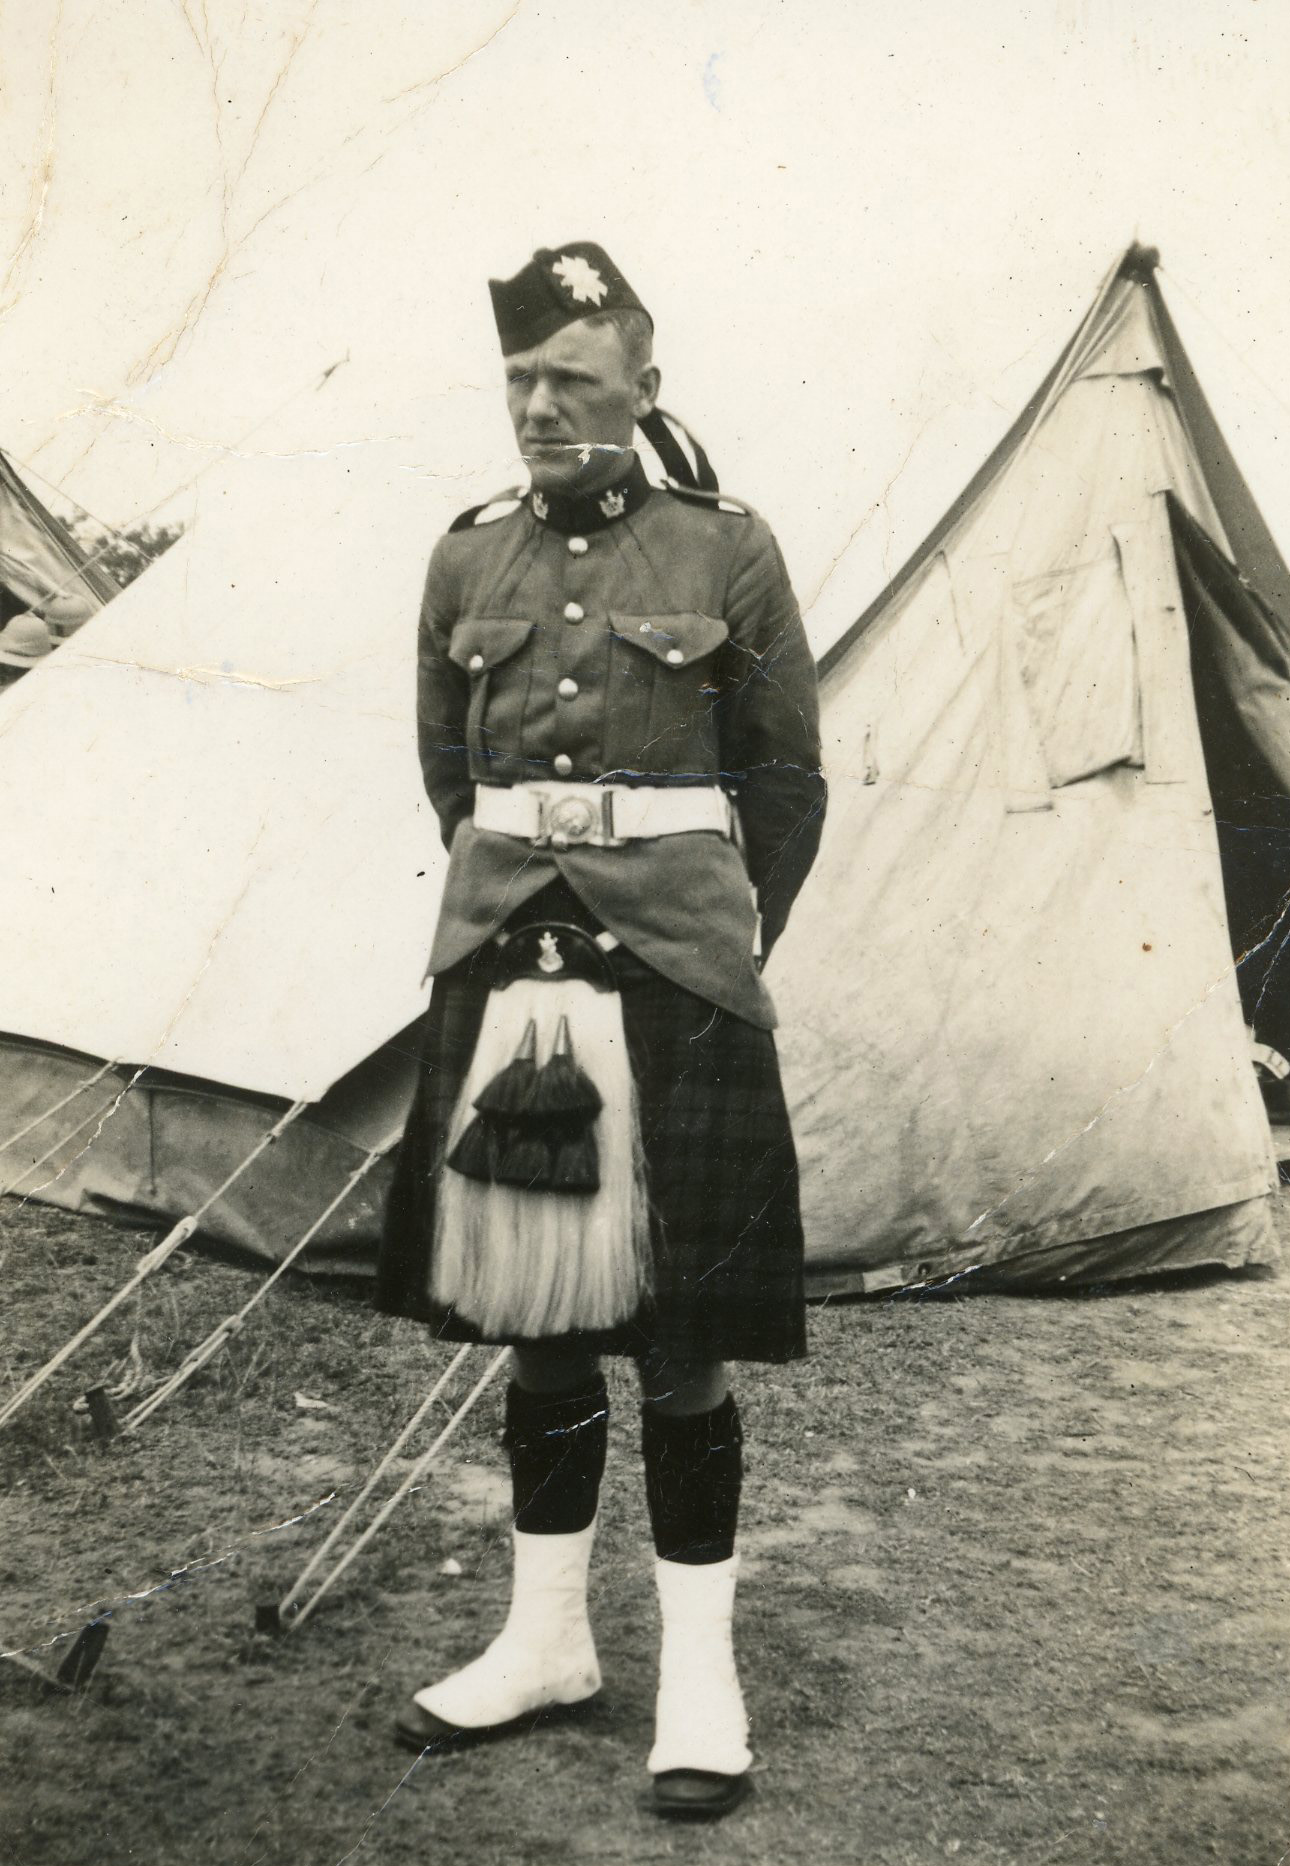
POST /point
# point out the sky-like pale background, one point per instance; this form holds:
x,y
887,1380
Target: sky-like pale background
x,y
864,231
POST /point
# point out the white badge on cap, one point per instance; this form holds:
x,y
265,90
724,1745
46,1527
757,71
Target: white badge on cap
x,y
580,279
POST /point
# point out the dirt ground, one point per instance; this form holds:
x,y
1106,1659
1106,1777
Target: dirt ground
x,y
1015,1589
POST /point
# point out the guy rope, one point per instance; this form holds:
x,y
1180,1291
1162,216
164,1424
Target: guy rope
x,y
102,1112
56,1108
285,1615
152,1260
225,1330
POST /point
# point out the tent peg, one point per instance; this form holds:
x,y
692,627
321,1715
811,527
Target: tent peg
x,y
103,1419
73,1675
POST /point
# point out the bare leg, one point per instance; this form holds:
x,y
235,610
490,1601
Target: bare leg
x,y
554,1369
676,1389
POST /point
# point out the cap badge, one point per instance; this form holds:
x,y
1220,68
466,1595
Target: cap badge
x,y
614,504
580,279
540,506
550,958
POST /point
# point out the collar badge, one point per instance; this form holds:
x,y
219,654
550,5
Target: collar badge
x,y
580,279
614,504
540,506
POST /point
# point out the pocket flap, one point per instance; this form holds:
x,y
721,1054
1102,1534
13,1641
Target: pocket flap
x,y
675,640
480,642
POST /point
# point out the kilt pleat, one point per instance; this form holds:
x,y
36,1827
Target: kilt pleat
x,y
720,1166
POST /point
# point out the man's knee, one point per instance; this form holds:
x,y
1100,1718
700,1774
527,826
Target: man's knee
x,y
676,1388
552,1369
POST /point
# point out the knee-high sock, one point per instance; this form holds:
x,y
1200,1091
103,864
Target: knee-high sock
x,y
557,1445
693,1474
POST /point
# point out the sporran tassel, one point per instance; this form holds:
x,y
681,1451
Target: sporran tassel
x,y
511,1090
477,1153
557,1238
524,1160
561,1086
575,1164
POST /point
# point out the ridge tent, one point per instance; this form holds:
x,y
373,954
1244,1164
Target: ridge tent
x,y
1012,1032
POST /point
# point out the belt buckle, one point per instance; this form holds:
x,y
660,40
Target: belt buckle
x,y
587,817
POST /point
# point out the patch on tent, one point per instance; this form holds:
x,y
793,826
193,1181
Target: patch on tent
x,y
1078,666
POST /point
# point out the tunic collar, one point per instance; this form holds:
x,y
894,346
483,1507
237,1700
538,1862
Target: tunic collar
x,y
581,512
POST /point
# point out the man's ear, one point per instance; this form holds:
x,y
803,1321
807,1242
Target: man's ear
x,y
648,384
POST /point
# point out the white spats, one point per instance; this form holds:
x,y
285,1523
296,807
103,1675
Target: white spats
x,y
700,1721
543,1655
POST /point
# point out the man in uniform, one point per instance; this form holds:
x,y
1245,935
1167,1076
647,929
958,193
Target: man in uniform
x,y
619,732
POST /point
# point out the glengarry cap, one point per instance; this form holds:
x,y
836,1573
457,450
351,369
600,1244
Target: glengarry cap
x,y
558,286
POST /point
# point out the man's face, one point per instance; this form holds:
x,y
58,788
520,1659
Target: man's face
x,y
571,393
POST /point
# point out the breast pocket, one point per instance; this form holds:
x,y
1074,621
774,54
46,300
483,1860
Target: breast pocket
x,y
490,650
665,683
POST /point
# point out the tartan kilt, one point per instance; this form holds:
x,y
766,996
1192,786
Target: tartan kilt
x,y
720,1166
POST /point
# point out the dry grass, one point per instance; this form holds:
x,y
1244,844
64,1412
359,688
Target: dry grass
x,y
1015,1590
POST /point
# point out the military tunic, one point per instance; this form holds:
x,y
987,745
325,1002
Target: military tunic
x,y
636,636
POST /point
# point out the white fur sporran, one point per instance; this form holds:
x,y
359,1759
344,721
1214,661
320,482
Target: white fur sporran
x,y
533,1264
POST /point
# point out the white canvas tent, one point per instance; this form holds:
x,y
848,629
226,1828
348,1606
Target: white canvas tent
x,y
222,867
1012,1029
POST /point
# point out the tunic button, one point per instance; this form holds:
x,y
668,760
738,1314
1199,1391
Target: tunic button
x,y
577,547
476,663
674,657
563,764
574,612
568,689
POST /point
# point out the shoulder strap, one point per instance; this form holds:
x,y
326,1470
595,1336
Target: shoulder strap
x,y
501,505
714,501
680,455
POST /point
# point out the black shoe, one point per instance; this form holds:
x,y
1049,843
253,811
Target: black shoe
x,y
698,1794
428,1735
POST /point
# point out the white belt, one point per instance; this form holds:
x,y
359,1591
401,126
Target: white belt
x,y
600,816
